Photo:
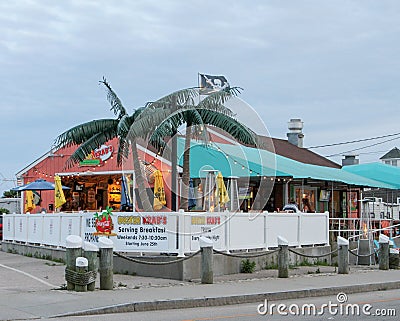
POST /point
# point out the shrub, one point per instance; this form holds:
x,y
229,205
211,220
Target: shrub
x,y
247,266
4,211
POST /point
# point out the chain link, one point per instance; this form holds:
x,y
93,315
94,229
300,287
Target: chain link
x,y
362,255
313,256
156,263
246,255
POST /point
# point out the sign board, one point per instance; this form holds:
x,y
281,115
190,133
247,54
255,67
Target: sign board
x,y
98,156
210,226
136,232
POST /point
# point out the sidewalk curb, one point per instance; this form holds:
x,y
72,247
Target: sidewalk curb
x,y
141,306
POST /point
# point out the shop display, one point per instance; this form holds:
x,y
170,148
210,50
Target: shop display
x,y
114,195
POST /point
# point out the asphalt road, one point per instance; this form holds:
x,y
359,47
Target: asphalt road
x,y
385,303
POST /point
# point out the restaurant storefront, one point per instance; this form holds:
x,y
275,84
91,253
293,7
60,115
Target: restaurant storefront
x,y
94,183
266,182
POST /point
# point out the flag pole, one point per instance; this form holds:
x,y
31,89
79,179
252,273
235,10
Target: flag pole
x,y
198,85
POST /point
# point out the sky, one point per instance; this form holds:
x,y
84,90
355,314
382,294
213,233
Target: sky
x,y
334,64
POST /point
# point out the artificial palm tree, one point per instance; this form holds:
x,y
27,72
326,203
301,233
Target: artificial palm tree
x,y
209,111
91,135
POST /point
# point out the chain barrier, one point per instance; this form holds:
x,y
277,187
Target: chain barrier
x,y
313,256
156,263
247,255
362,255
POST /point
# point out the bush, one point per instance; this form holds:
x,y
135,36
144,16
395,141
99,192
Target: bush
x,y
247,266
4,211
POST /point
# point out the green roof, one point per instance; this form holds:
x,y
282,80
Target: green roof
x,y
242,161
377,171
206,157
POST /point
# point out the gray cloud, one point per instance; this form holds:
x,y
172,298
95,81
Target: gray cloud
x,y
334,64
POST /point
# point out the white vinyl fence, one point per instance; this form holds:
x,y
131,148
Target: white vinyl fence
x,y
173,232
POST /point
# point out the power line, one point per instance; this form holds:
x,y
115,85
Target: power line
x,y
372,153
353,150
354,141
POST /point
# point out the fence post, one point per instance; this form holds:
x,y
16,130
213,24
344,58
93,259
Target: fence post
x,y
283,258
383,252
265,214
181,233
90,252
207,275
299,227
106,263
343,255
81,265
227,229
73,250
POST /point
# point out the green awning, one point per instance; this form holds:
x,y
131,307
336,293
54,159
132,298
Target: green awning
x,y
300,170
242,161
377,171
206,157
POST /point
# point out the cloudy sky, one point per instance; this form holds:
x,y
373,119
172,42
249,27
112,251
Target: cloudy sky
x,y
334,64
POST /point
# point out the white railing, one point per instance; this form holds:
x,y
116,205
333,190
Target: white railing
x,y
350,227
173,232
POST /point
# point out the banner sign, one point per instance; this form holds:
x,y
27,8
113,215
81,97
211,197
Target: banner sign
x,y
135,232
98,156
209,226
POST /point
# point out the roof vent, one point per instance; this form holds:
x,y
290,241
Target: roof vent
x,y
295,134
350,160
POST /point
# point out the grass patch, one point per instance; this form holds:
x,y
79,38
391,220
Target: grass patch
x,y
271,266
313,263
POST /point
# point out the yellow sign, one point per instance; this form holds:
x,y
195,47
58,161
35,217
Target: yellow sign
x,y
29,201
221,193
58,192
159,193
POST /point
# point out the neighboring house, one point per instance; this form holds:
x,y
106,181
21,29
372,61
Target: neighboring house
x,y
392,157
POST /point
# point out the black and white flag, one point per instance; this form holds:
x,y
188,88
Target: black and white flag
x,y
210,84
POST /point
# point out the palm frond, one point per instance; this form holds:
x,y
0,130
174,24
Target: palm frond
x,y
178,98
216,101
123,151
116,104
235,91
146,122
137,112
124,125
81,133
150,119
230,125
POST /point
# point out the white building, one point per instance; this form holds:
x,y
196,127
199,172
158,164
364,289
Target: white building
x,y
392,157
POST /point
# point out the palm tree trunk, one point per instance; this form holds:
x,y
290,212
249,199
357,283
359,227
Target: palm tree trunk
x,y
186,169
147,207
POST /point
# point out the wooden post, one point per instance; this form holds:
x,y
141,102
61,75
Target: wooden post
x,y
73,250
106,263
383,252
283,258
207,274
90,252
343,255
81,267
